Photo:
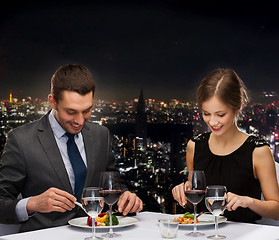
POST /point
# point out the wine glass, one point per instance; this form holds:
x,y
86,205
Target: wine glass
x,y
216,202
92,203
111,191
195,191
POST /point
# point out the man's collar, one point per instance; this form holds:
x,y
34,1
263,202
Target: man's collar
x,y
55,126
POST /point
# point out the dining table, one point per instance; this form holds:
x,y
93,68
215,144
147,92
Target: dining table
x,y
145,226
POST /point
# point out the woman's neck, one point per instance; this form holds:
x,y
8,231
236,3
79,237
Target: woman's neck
x,y
232,136
229,134
228,142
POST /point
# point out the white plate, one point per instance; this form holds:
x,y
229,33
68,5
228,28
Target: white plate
x,y
123,222
204,220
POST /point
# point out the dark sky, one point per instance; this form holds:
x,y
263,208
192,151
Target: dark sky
x,y
164,47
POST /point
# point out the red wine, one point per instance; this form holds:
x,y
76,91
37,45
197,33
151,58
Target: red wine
x,y
195,196
110,196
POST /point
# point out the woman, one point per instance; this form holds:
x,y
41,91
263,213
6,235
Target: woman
x,y
230,157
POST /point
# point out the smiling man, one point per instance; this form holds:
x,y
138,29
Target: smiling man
x,y
50,160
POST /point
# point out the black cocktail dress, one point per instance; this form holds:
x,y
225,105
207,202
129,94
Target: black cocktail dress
x,y
234,170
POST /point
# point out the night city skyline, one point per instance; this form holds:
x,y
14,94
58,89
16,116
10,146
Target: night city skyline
x,y
149,137
162,47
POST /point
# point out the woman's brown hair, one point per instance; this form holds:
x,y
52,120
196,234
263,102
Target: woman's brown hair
x,y
225,84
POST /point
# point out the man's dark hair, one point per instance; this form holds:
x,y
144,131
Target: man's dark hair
x,y
72,77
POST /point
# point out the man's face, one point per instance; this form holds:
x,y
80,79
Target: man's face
x,y
72,110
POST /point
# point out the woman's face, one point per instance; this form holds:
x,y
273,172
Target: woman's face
x,y
218,116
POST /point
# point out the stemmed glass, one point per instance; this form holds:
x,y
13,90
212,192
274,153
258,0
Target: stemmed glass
x,y
195,190
111,191
92,203
216,202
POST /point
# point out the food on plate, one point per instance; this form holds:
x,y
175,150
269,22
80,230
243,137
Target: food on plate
x,y
187,214
102,220
114,220
89,221
188,218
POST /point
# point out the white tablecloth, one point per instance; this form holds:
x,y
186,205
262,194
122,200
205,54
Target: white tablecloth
x,y
147,228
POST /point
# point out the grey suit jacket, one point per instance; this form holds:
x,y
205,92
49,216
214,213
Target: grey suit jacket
x,y
31,164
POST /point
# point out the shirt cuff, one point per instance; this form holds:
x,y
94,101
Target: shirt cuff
x,y
21,211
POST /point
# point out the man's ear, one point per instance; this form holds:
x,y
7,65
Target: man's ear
x,y
52,101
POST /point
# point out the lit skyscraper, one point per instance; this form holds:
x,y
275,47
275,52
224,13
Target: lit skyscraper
x,y
141,122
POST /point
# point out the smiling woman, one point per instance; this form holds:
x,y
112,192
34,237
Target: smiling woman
x,y
221,96
217,115
230,157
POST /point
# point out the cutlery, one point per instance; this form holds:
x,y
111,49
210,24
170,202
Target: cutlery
x,y
80,205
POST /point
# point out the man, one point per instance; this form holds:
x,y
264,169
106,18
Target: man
x,y
38,161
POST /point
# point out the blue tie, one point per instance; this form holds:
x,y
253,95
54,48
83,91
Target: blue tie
x,y
77,164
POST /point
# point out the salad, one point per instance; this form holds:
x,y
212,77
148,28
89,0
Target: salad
x,y
187,218
103,220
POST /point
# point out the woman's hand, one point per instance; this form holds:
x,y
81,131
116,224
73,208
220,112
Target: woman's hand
x,y
178,193
235,201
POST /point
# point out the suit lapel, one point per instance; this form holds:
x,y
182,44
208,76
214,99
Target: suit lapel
x,y
46,138
89,145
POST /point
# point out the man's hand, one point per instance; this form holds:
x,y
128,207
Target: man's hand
x,y
51,200
129,203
